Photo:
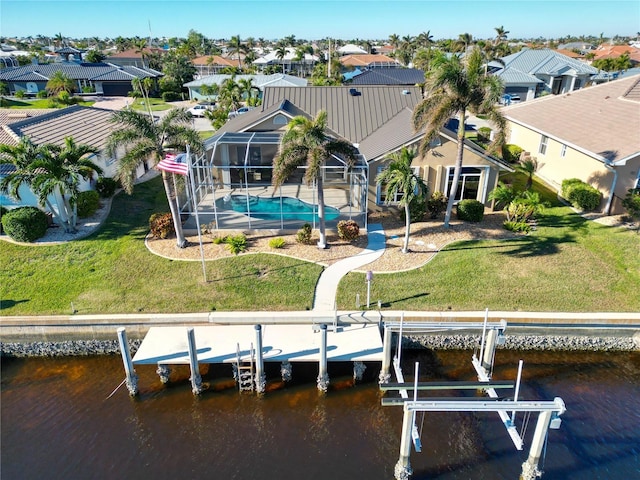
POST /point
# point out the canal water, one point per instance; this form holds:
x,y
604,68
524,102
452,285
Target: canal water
x,y
57,422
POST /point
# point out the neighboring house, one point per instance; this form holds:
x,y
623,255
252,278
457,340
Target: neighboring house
x,y
530,73
615,51
351,49
258,81
580,46
592,134
290,62
213,64
377,120
87,125
369,61
569,53
133,57
70,54
390,76
104,78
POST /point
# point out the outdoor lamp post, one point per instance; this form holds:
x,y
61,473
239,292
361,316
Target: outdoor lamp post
x,y
369,279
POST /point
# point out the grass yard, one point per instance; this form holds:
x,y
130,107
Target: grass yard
x,y
39,103
157,104
113,272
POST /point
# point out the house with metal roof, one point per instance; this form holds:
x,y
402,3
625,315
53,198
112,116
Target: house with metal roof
x,y
104,78
235,171
258,81
592,134
531,73
389,76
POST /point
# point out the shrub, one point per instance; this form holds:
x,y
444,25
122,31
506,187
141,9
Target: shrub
x,y
348,230
436,204
517,226
484,134
220,239
3,210
42,94
278,242
161,225
171,96
580,194
236,243
20,94
470,210
304,234
417,209
25,224
631,203
106,187
88,203
511,153
88,89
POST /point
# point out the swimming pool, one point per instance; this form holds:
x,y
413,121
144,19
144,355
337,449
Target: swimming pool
x,y
7,201
268,208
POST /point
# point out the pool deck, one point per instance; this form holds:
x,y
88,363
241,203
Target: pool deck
x,y
280,343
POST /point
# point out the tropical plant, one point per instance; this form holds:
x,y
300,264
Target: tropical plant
x,y
236,46
470,210
454,87
306,142
236,243
60,82
528,166
88,203
501,34
399,181
502,195
277,242
631,203
303,235
51,172
436,204
281,52
144,139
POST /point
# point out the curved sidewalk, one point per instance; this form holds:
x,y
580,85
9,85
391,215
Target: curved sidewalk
x,y
327,286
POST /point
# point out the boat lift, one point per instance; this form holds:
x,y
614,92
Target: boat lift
x,y
492,335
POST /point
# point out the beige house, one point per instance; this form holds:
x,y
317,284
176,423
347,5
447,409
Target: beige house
x,y
592,134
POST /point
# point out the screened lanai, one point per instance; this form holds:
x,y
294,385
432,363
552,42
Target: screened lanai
x,y
233,187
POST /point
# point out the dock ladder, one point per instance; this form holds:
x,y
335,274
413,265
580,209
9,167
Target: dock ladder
x,y
245,370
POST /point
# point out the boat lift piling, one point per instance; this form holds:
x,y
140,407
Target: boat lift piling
x,y
323,375
196,379
131,376
261,379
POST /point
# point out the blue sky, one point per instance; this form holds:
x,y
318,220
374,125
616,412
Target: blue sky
x,y
313,19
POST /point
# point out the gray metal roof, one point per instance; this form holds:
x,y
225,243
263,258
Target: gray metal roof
x,y
545,61
512,76
390,76
87,71
277,79
87,125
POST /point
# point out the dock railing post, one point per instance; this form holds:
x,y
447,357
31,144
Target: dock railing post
x,y
260,379
489,351
530,467
196,380
385,376
323,376
132,377
402,470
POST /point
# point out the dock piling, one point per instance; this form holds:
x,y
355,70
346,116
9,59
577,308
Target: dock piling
x,y
489,350
196,379
385,376
132,377
260,379
163,372
402,470
530,467
323,375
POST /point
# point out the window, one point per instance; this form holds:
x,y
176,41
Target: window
x,y
563,151
543,145
468,185
381,190
280,120
255,156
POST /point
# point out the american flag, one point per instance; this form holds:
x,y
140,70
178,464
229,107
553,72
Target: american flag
x,y
174,164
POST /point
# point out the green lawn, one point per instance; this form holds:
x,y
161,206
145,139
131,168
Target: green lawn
x,y
567,264
157,104
39,103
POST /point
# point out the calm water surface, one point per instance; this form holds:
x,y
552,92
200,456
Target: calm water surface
x,y
57,423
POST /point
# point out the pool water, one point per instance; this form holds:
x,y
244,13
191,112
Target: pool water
x,y
268,208
7,201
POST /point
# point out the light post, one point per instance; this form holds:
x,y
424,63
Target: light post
x,y
369,279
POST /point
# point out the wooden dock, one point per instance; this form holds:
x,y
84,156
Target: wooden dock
x,y
280,343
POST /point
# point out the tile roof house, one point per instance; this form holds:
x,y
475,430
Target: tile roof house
x,y
133,57
529,73
369,61
105,78
377,120
592,134
615,51
213,64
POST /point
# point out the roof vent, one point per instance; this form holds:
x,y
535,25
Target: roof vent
x,y
406,92
354,92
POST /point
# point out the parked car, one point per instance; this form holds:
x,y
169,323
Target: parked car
x,y
509,98
199,109
240,111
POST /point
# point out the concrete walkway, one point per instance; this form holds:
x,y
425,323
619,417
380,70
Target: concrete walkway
x,y
327,286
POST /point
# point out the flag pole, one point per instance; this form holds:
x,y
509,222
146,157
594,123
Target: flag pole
x,y
195,209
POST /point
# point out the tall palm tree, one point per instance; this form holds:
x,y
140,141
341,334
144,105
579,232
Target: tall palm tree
x,y
305,142
50,171
60,82
399,179
235,46
140,47
501,34
454,87
281,52
394,40
142,139
463,42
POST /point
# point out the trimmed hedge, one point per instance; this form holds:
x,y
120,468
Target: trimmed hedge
x,y
511,153
470,210
88,203
580,194
25,224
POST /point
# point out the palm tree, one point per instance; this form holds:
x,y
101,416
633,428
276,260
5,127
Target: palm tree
x,y
394,40
454,87
143,139
463,42
140,46
399,179
305,142
50,171
281,52
60,82
236,46
501,34
528,166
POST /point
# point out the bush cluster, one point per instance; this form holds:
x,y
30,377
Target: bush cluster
x,y
161,225
470,210
436,204
580,194
511,153
277,242
348,230
3,210
170,96
236,243
631,202
25,224
106,187
88,203
304,234
484,134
